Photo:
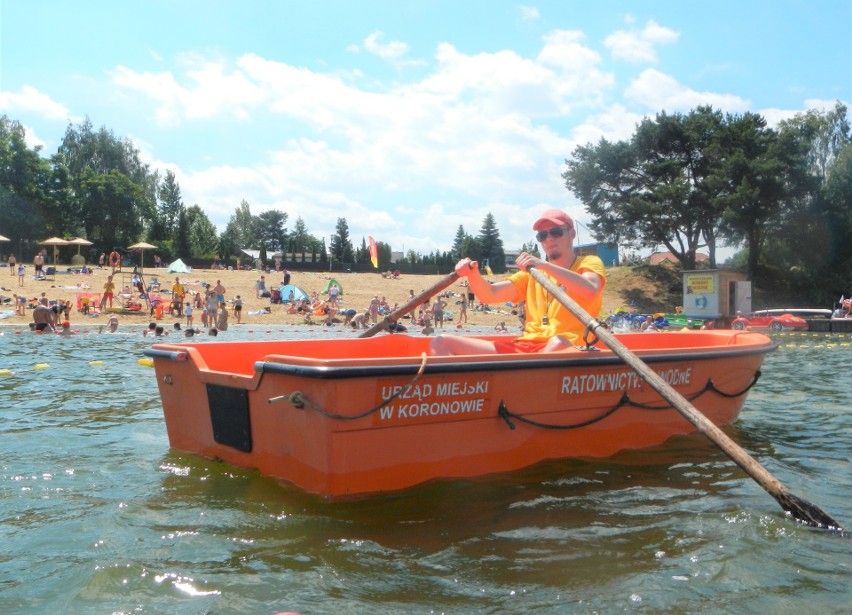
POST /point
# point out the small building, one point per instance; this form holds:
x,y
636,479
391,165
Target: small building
x,y
607,252
710,294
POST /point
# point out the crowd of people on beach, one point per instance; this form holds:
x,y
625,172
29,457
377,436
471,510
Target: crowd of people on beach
x,y
198,305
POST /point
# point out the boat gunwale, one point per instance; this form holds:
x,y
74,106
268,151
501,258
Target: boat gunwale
x,y
438,365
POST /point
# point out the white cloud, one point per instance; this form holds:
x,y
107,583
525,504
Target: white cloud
x,y
480,133
775,116
658,91
564,75
31,100
639,46
32,139
390,52
529,13
211,90
466,130
615,123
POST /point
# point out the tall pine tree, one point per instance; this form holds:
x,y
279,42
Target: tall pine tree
x,y
492,245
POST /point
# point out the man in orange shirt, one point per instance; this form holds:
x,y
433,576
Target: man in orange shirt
x,y
549,325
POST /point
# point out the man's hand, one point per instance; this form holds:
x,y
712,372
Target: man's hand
x,y
465,266
525,261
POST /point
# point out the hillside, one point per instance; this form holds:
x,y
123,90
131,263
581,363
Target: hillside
x,y
647,288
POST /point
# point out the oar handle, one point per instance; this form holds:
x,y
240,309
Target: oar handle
x,y
383,324
799,508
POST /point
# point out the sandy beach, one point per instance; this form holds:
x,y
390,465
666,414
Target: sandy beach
x,y
358,290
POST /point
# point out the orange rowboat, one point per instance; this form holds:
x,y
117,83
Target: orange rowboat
x,y
355,416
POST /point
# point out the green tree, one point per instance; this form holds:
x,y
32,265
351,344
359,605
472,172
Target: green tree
x,y
242,228
768,181
458,242
362,252
810,248
182,242
837,195
385,252
202,233
113,211
271,229
826,134
531,248
170,207
229,244
472,249
492,245
654,189
300,241
30,195
341,245
85,154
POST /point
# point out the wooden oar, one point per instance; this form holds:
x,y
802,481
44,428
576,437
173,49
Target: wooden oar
x,y
391,318
798,507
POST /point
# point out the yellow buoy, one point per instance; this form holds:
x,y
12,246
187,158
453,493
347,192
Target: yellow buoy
x,y
6,372
39,366
96,362
146,362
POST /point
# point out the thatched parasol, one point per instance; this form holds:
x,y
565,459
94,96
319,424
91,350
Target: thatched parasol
x,y
54,241
141,246
79,241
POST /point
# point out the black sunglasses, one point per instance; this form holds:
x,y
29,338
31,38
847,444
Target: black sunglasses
x,y
553,232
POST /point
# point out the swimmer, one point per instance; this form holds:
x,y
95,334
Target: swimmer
x,y
45,317
112,324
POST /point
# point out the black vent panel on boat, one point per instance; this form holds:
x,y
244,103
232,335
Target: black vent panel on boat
x,y
229,415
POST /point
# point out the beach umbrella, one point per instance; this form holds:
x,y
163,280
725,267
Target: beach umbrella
x,y
141,246
79,241
54,241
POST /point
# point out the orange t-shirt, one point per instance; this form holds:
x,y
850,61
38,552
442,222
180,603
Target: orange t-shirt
x,y
545,316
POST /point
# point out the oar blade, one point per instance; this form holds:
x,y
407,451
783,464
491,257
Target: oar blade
x,y
806,512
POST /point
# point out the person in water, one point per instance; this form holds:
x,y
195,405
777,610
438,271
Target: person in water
x,y
548,324
45,317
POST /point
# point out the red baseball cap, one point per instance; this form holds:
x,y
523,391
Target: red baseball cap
x,y
553,217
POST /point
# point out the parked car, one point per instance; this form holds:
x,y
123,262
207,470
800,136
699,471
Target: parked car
x,y
772,320
801,312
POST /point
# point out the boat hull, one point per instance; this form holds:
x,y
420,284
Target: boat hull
x,y
347,417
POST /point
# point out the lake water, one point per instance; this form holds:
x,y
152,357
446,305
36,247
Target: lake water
x,y
98,515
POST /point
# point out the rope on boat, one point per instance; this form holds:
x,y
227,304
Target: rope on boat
x,y
298,399
507,415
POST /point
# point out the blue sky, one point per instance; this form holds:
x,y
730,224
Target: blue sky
x,y
406,118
